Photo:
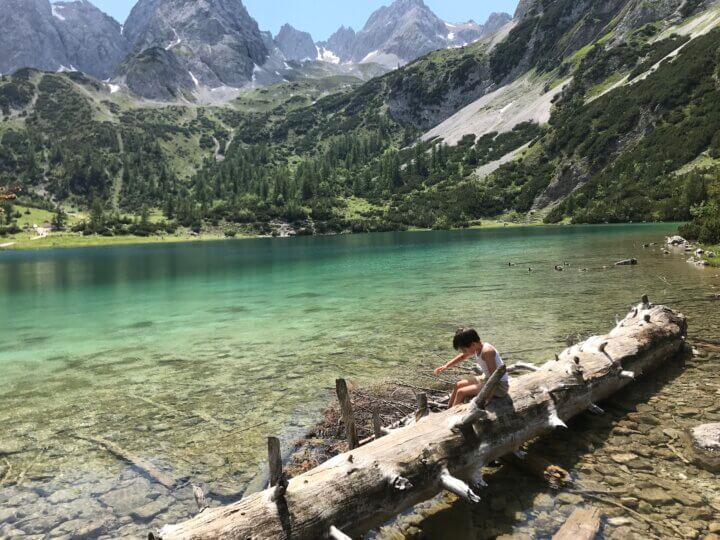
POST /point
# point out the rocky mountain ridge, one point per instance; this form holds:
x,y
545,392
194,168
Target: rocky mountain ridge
x,y
170,49
403,31
60,36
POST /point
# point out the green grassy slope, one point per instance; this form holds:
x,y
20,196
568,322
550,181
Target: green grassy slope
x,y
336,155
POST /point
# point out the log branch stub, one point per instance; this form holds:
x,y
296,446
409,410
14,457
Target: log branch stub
x,y
274,461
458,487
200,499
377,425
477,406
489,387
347,413
519,366
422,402
337,534
595,409
277,477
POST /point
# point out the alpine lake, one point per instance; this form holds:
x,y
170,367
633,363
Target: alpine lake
x,y
190,355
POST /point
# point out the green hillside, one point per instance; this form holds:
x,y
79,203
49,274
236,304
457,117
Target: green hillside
x,y
334,155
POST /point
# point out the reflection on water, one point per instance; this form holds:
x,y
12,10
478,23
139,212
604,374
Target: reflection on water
x,y
189,355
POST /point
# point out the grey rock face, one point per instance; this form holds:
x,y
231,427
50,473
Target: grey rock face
x,y
157,74
524,8
341,43
404,31
463,33
29,37
295,45
67,35
215,40
93,41
495,22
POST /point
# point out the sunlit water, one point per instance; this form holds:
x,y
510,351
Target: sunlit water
x,y
190,355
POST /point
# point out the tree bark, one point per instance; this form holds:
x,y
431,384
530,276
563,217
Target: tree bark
x,y
583,524
365,487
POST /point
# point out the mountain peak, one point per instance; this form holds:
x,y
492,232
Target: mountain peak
x,y
403,31
295,44
62,36
215,40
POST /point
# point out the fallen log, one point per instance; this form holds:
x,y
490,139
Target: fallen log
x,y
583,524
363,488
142,464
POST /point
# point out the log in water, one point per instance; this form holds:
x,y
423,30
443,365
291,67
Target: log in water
x,y
364,487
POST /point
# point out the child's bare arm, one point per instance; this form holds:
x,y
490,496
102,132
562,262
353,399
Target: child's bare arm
x,y
455,361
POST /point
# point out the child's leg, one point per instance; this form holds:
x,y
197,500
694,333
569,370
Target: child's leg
x,y
461,384
467,392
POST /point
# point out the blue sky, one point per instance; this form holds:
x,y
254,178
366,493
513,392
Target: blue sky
x,y
322,17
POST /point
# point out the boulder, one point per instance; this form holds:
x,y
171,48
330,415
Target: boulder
x,y
706,446
675,241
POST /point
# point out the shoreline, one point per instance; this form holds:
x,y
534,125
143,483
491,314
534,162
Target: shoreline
x,y
58,241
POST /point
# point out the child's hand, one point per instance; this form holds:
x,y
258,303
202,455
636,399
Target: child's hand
x,y
439,370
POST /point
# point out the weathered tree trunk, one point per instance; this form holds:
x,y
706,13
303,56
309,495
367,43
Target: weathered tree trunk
x,y
583,524
365,487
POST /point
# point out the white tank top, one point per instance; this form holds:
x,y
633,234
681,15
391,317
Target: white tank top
x,y
498,362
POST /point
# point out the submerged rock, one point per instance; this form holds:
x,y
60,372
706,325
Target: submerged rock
x,y
706,446
124,501
82,528
655,496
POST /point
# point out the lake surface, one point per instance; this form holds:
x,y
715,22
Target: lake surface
x,y
190,355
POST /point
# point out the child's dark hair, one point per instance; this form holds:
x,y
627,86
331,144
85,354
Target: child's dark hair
x,y
465,337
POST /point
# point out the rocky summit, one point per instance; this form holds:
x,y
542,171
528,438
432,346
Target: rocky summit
x,y
403,31
65,36
216,41
214,44
296,45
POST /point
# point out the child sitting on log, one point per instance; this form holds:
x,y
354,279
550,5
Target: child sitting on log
x,y
468,342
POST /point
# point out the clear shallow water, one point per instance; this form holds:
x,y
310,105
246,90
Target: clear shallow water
x,y
189,355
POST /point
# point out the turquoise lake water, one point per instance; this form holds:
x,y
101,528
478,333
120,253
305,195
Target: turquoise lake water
x,y
190,355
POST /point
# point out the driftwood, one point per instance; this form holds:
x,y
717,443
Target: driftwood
x,y
583,524
360,489
661,526
138,462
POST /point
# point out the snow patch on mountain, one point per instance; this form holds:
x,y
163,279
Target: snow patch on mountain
x,y
56,12
176,42
325,55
